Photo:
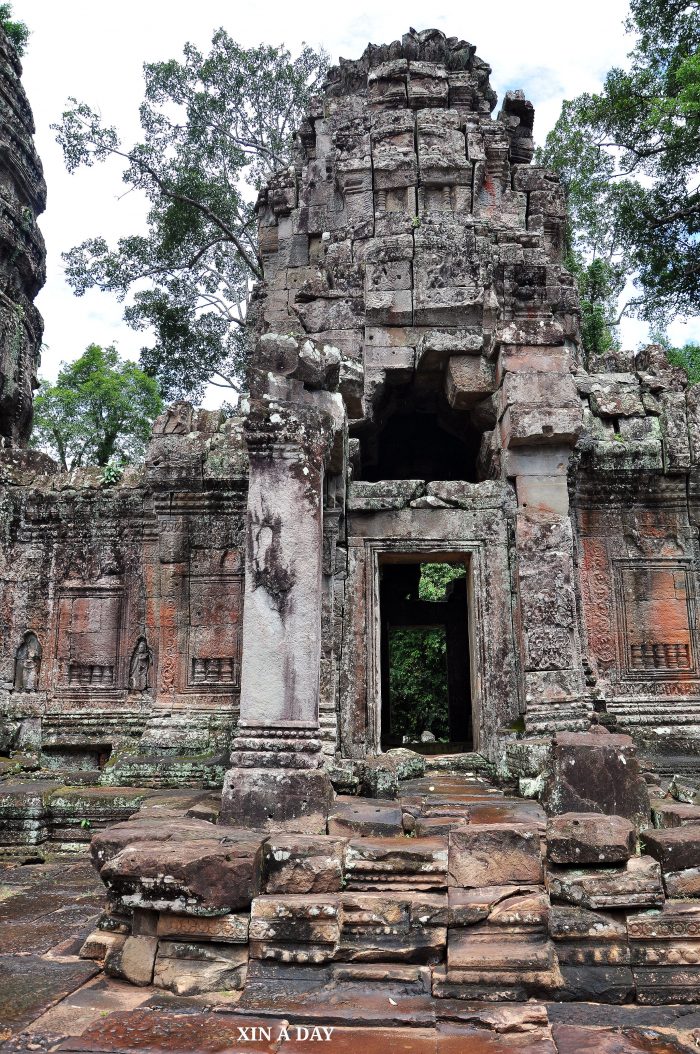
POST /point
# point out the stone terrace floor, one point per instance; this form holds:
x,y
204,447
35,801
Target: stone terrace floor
x,y
51,1000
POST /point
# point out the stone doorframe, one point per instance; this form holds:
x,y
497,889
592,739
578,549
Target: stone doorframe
x,y
422,550
479,533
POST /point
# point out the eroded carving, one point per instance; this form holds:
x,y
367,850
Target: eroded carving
x,y
139,666
28,663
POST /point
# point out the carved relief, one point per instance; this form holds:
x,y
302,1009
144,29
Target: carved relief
x,y
139,666
598,596
655,618
87,636
28,663
549,622
214,636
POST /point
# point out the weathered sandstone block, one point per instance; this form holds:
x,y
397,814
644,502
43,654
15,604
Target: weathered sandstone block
x,y
637,884
677,848
492,854
589,838
596,773
213,876
295,863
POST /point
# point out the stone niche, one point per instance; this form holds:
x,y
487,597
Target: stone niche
x,y
656,602
214,634
88,649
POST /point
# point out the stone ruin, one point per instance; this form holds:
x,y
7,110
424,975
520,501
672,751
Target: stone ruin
x,y
220,617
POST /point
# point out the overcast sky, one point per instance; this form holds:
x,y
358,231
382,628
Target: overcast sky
x,y
95,51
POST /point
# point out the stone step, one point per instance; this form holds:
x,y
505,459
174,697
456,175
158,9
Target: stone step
x,y
166,770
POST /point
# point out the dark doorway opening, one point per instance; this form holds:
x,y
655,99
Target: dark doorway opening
x,y
426,697
416,446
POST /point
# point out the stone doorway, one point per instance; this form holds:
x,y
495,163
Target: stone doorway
x,y
424,655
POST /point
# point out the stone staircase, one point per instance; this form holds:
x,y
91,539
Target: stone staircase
x,y
450,893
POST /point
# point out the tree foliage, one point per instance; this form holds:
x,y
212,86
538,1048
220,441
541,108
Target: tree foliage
x,y
418,682
629,158
18,32
214,127
687,356
100,410
418,665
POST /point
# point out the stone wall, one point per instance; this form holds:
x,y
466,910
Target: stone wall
x,y
417,387
122,606
22,253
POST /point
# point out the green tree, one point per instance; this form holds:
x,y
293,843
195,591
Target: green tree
x,y
100,409
18,32
214,128
418,664
418,682
687,356
629,159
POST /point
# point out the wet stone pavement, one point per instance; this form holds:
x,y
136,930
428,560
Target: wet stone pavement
x,y
51,1000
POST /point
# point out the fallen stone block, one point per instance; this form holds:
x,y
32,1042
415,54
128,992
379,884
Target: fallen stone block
x,y
590,838
299,929
668,813
415,977
224,929
365,817
595,983
98,945
676,848
278,799
493,854
492,962
213,876
596,772
469,906
396,863
187,969
580,924
682,883
152,828
665,953
485,947
393,926
637,884
593,955
440,826
522,910
133,961
294,863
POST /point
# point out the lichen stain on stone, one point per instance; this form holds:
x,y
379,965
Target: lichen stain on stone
x,y
270,572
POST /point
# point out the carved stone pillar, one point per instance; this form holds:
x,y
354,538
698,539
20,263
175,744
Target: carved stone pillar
x,y
276,780
540,422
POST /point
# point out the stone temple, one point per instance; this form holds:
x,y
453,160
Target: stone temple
x,y
208,639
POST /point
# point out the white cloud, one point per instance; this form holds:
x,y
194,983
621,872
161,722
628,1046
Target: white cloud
x,y
96,51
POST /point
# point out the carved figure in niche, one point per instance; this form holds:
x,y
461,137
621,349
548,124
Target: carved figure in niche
x,y
139,666
27,663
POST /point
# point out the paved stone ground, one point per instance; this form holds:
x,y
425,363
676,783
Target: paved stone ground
x,y
50,1000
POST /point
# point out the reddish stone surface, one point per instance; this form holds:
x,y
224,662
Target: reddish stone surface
x,y
677,848
491,854
206,876
589,838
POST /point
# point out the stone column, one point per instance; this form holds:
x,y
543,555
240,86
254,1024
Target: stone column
x,y
276,780
540,422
